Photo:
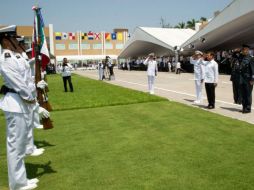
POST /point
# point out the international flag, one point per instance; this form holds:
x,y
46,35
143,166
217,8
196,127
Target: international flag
x,y
39,38
97,36
84,36
72,36
113,36
90,35
64,36
119,36
107,36
58,35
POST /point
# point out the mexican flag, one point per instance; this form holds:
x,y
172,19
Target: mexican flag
x,y
39,38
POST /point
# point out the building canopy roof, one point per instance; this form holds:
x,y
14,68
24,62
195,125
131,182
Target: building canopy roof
x,y
230,29
161,41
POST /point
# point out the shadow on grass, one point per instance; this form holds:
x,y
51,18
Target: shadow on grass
x,y
107,105
41,144
38,170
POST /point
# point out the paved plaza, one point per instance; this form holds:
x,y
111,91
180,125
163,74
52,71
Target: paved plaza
x,y
179,88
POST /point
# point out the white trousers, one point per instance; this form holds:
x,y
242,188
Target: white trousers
x,y
34,122
100,70
198,85
17,131
151,84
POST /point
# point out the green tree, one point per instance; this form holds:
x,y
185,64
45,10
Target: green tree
x,y
181,25
191,24
203,19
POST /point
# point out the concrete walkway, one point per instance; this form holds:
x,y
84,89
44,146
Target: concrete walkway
x,y
180,88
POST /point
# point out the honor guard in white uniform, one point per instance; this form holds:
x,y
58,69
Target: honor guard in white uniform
x,y
16,105
22,57
100,70
152,69
211,78
199,75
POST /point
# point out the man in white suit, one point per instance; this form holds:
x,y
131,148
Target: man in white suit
x,y
152,69
199,75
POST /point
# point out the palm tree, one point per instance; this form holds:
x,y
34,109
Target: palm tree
x,y
191,24
180,25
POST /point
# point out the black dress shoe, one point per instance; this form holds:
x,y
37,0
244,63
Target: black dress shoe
x,y
210,107
246,111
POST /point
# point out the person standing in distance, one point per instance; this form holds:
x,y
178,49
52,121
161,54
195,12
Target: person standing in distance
x,y
66,74
246,78
152,69
199,75
235,76
211,78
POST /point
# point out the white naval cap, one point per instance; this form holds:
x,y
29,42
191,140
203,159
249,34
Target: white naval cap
x,y
151,54
198,53
20,38
29,50
9,30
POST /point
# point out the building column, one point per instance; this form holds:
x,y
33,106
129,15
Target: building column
x,y
51,39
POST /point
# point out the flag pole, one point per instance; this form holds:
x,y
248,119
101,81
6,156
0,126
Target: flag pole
x,y
41,94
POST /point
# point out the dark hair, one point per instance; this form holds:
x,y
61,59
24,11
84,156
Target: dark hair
x,y
245,46
211,53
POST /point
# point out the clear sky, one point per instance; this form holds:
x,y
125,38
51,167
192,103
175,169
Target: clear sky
x,y
105,15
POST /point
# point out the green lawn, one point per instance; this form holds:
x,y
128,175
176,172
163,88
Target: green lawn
x,y
91,93
152,145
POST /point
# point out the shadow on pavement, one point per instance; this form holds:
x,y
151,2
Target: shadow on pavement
x,y
232,109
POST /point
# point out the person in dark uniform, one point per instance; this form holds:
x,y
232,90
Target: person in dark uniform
x,y
235,77
246,78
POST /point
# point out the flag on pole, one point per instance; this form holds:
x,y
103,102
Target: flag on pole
x,y
97,36
113,36
58,35
64,36
107,36
119,36
39,38
84,36
71,36
90,35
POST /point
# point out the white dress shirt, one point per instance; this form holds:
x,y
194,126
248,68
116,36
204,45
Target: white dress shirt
x,y
67,70
211,71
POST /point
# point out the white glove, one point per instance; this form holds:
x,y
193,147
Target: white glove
x,y
43,113
42,84
31,61
43,74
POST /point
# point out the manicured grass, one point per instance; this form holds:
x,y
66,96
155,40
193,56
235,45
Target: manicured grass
x,y
146,146
91,93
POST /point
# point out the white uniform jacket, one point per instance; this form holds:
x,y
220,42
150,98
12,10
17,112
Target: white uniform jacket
x,y
199,69
10,70
152,67
27,73
211,71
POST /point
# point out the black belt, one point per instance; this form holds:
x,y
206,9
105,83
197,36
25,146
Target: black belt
x,y
4,90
